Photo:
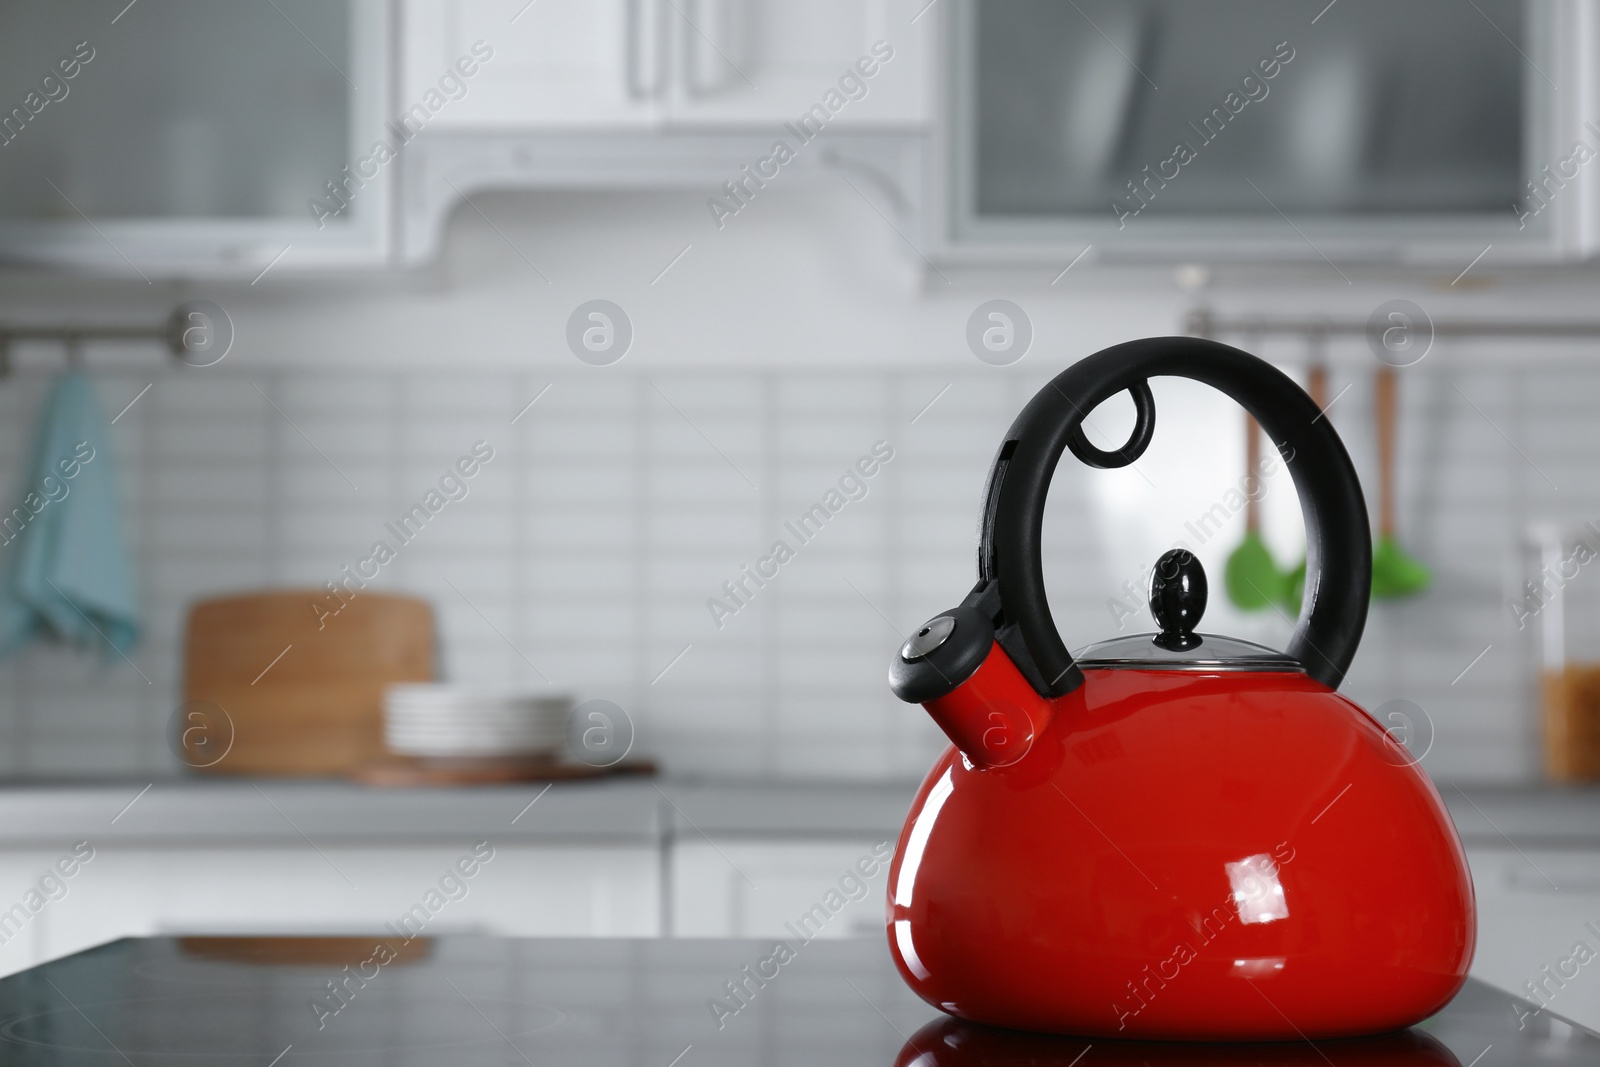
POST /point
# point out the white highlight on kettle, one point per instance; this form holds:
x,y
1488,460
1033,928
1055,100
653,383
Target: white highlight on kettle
x,y
918,839
916,843
908,951
1258,966
1257,893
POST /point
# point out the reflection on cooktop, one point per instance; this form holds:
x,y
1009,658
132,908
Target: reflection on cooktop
x,y
950,1042
468,1001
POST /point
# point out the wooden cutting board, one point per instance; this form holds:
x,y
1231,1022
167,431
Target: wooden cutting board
x,y
333,952
406,772
269,688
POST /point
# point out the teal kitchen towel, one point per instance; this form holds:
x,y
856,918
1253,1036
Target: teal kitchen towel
x,y
65,566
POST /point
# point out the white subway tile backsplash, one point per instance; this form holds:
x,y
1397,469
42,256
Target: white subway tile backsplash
x,y
721,715
579,619
436,442
836,669
320,527
724,664
557,437
807,395
587,531
568,580
354,486
464,527
713,749
833,757
300,567
480,663
478,575
700,478
184,529
333,392
616,506
604,668
830,439
351,442
221,484
609,403
460,398
717,534
174,579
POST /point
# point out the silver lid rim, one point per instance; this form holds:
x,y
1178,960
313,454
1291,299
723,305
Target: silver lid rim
x,y
1211,653
1206,666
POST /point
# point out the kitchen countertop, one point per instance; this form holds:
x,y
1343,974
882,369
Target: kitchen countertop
x,y
1529,816
467,1000
273,811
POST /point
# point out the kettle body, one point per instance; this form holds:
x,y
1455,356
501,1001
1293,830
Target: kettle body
x,y
1173,835
1183,855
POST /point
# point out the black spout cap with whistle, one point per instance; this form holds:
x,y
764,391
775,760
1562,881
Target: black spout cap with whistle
x,y
941,655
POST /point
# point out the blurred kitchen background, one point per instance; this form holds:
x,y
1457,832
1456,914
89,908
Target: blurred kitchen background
x,y
375,233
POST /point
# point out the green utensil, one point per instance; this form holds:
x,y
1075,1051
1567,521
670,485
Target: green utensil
x,y
1294,588
1395,573
1251,576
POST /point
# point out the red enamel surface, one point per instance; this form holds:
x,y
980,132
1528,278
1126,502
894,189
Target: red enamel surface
x,y
1087,887
995,715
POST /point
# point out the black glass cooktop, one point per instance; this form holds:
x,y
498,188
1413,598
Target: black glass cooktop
x,y
275,1002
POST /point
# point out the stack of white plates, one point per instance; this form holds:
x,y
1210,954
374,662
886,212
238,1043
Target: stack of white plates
x,y
453,721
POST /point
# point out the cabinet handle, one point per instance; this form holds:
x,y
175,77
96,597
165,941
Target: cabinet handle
x,y
710,23
638,35
690,46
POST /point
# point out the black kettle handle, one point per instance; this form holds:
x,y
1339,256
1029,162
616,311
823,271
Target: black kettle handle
x,y
1010,564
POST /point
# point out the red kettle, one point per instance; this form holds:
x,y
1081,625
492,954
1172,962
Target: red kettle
x,y
1175,835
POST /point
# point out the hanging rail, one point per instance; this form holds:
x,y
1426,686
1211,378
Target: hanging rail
x,y
180,332
1201,323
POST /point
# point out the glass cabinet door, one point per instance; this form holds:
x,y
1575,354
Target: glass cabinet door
x,y
175,123
1177,112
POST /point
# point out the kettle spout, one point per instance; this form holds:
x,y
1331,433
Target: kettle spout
x,y
994,717
954,668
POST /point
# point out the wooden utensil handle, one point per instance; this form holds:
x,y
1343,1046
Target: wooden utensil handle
x,y
1252,468
1385,392
1317,385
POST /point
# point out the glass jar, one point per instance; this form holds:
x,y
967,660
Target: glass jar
x,y
1559,605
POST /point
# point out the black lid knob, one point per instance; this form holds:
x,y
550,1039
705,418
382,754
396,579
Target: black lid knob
x,y
1178,599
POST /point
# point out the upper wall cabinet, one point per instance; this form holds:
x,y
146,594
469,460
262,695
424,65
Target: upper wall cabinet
x,y
623,65
551,64
771,61
189,138
1361,130
180,137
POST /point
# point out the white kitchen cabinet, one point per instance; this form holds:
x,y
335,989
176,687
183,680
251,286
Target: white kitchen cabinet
x,y
523,891
1086,125
554,64
1535,908
770,61
194,137
632,65
25,935
736,888
733,888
